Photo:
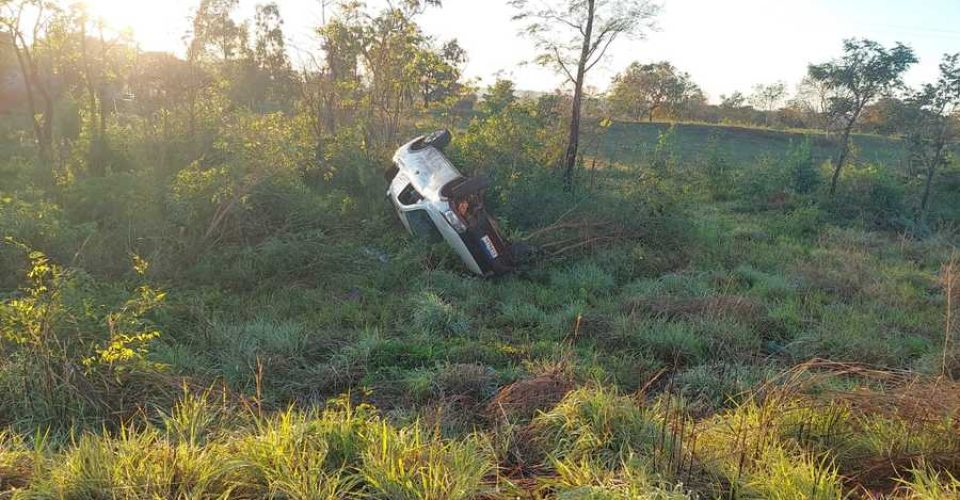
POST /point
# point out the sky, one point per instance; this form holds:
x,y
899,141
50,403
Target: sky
x,y
725,45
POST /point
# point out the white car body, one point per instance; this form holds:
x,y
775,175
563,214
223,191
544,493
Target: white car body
x,y
417,193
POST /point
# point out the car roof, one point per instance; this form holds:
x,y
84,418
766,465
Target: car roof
x,y
427,169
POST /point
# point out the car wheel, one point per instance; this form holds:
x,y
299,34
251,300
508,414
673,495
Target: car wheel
x,y
438,139
464,187
391,172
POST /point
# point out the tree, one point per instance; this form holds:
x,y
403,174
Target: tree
x,y
866,72
215,34
573,37
813,100
270,53
936,126
733,101
643,90
768,98
439,72
378,64
265,77
499,96
26,40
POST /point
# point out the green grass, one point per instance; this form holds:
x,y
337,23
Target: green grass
x,y
634,142
338,358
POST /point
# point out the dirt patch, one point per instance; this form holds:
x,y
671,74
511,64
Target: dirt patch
x,y
719,306
522,400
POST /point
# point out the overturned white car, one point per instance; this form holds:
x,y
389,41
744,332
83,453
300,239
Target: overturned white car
x,y
433,199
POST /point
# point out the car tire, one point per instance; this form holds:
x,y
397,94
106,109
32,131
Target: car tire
x,y
391,172
438,139
464,187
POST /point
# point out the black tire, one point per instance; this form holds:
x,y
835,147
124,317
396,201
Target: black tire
x,y
464,187
391,172
438,139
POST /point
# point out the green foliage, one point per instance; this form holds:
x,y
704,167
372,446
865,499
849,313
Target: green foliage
x,y
804,175
927,484
585,480
71,354
600,426
432,315
646,91
407,464
719,171
693,263
872,195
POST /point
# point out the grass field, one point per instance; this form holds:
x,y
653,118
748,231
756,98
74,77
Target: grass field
x,y
702,347
634,142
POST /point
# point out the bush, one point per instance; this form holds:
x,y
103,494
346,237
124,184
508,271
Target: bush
x,y
871,195
75,350
805,177
29,221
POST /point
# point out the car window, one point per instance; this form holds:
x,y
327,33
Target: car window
x,y
409,196
422,225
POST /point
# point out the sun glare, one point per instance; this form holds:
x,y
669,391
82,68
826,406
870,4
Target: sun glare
x,y
156,25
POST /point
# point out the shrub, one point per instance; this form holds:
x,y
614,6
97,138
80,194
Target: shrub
x,y
872,195
25,222
804,175
73,349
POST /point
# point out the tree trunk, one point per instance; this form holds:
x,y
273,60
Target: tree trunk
x,y
573,142
844,151
931,172
42,130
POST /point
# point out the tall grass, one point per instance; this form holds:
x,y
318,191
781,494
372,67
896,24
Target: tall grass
x,y
407,464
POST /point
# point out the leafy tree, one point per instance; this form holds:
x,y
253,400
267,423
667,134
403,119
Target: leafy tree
x,y
264,79
735,100
865,72
93,64
216,35
499,96
768,98
440,72
643,90
340,76
888,116
813,100
270,51
573,37
936,127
